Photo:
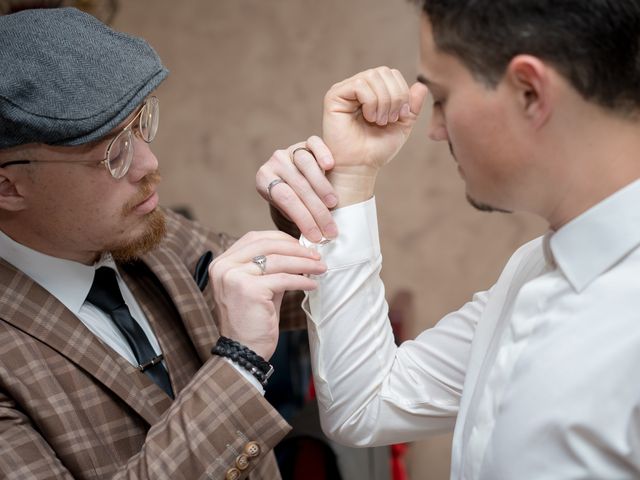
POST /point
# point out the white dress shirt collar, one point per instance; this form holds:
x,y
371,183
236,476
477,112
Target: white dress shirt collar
x,y
66,280
593,242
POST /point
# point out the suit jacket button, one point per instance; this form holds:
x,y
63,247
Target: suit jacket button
x,y
232,474
242,462
252,449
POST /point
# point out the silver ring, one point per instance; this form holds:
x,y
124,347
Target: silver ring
x,y
272,184
293,154
261,261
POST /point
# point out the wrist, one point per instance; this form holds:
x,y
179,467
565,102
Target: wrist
x,y
353,184
244,357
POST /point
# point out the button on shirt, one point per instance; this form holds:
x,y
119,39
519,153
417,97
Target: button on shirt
x,y
538,374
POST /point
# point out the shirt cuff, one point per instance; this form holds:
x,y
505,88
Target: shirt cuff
x,y
357,240
252,380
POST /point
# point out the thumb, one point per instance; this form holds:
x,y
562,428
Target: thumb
x,y
417,92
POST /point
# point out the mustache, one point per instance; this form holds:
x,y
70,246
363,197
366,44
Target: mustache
x,y
147,186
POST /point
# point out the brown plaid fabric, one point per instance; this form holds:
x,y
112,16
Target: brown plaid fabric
x,y
70,407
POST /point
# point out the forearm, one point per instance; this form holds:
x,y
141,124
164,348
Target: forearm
x,y
370,391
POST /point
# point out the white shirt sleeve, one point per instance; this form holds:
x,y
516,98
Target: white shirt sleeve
x,y
370,391
250,378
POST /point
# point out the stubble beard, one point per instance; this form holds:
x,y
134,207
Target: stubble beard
x,y
480,206
155,226
485,207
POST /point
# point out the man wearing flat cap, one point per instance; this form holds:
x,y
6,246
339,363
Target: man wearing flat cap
x,y
124,351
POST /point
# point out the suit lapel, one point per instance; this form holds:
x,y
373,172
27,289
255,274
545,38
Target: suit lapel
x,y
196,315
30,308
180,356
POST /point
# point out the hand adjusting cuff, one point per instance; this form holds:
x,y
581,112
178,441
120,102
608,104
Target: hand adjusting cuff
x,y
246,358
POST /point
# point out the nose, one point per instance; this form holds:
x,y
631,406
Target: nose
x,y
144,160
437,129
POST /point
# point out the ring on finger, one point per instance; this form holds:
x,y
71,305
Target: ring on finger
x,y
272,184
293,153
261,262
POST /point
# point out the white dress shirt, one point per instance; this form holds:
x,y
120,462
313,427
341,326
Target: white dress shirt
x,y
70,282
540,374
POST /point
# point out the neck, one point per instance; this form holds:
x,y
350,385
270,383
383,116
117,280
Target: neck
x,y
591,160
46,245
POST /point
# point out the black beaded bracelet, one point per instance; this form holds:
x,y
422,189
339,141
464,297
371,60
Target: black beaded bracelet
x,y
246,358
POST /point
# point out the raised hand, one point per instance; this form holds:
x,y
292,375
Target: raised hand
x,y
367,118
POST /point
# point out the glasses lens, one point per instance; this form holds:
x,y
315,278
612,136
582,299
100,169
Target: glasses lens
x,y
121,154
149,119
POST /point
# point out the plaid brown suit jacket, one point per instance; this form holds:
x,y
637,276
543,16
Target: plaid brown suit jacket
x,y
70,407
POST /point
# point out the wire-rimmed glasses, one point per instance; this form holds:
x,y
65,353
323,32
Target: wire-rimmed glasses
x,y
120,151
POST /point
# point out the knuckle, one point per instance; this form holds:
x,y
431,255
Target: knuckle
x,y
281,155
250,236
384,99
360,82
214,269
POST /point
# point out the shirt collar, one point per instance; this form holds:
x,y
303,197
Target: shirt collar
x,y
596,240
66,280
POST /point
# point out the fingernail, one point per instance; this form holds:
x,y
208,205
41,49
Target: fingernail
x,y
330,200
406,110
395,116
331,230
384,119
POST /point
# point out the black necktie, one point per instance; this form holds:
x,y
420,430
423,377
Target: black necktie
x,y
105,294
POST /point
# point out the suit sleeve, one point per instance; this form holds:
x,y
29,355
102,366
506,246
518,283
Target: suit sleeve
x,y
222,420
215,424
24,453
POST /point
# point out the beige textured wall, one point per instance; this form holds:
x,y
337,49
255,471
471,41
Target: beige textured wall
x,y
248,76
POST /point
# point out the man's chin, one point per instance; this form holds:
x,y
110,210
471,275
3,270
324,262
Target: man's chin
x,y
153,234
484,207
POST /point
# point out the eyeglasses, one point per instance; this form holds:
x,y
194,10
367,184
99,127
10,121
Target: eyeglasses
x,y
119,154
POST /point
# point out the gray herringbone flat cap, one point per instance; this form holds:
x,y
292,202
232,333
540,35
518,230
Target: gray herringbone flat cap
x,y
68,79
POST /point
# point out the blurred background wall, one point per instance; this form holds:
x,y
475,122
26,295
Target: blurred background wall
x,y
248,76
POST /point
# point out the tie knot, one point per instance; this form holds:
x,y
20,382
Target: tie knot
x,y
105,292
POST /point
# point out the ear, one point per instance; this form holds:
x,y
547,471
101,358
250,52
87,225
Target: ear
x,y
10,197
530,79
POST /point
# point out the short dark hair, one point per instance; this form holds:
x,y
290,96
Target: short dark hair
x,y
594,44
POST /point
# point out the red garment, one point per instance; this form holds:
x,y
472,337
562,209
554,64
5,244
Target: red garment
x,y
398,470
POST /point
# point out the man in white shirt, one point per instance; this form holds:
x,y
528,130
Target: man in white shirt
x,y
539,102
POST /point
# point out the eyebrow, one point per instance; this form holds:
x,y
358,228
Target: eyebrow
x,y
425,81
